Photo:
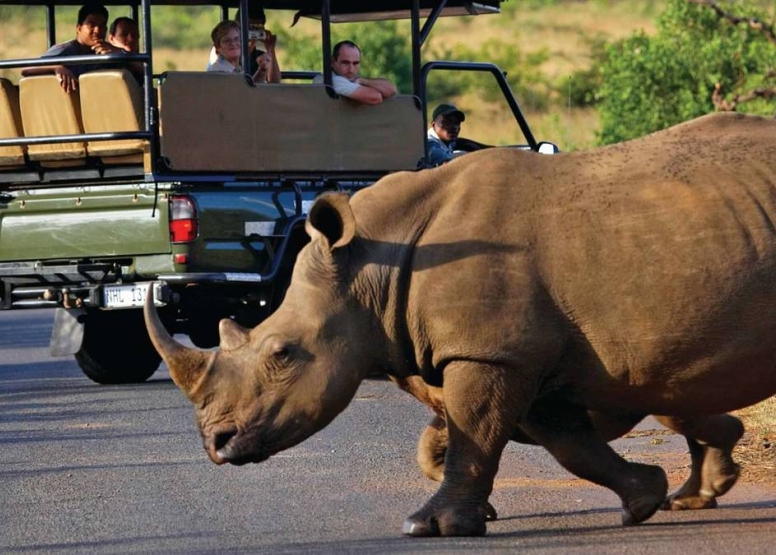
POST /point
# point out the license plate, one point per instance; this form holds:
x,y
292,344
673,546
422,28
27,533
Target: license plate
x,y
125,296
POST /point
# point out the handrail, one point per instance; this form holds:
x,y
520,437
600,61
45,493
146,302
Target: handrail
x,y
299,74
49,139
68,60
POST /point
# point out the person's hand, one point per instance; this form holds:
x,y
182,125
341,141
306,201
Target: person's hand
x,y
269,41
67,80
102,47
265,63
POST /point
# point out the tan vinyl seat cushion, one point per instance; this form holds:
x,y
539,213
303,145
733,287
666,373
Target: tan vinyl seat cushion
x,y
112,101
48,110
10,125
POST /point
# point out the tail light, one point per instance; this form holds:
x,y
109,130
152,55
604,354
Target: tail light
x,y
184,226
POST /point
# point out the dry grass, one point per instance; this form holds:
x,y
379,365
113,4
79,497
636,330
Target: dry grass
x,y
757,451
570,129
563,30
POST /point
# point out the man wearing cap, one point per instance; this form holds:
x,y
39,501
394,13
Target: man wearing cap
x,y
444,130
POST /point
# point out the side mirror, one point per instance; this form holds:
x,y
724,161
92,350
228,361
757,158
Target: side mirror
x,y
548,148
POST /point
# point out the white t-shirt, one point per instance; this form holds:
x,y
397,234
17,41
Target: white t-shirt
x,y
342,86
222,66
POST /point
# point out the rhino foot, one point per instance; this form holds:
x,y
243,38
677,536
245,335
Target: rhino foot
x,y
445,522
488,511
644,495
713,474
689,503
720,484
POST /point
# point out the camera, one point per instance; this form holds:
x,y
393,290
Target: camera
x,y
257,33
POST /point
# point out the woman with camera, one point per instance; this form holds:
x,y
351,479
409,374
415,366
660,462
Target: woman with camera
x,y
264,67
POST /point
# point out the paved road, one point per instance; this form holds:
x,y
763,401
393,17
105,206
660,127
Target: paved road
x,y
94,469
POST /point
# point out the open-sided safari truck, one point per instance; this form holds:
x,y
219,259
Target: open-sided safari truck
x,y
196,181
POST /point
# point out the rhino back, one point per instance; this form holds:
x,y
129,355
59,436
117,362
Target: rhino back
x,y
607,269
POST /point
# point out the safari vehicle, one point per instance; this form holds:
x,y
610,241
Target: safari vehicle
x,y
197,182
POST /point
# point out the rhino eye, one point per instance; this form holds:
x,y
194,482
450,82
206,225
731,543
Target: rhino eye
x,y
280,353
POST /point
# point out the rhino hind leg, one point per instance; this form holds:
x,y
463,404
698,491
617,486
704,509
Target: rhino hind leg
x,y
711,440
432,448
570,436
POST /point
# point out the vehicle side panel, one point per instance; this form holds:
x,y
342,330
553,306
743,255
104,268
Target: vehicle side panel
x,y
81,222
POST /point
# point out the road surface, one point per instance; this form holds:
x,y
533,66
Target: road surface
x,y
120,469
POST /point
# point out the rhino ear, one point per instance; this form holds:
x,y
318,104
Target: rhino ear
x,y
233,336
332,220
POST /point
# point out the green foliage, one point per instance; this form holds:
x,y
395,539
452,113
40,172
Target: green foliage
x,y
650,83
510,7
33,16
580,89
183,28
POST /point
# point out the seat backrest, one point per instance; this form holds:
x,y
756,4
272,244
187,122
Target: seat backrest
x,y
112,101
48,110
219,122
10,125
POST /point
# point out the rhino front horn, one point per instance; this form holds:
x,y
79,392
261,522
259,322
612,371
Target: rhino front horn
x,y
186,365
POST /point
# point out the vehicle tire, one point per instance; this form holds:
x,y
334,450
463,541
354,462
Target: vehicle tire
x,y
116,348
204,333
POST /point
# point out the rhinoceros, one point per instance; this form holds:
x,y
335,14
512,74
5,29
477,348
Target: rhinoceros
x,y
548,299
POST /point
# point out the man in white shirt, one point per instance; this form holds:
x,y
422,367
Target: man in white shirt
x,y
345,65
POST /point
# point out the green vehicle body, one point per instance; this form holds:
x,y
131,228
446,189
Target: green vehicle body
x,y
89,239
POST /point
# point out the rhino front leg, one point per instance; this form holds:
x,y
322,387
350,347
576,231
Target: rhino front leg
x,y
568,433
432,449
711,440
482,404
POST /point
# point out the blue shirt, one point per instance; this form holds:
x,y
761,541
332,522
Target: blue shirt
x,y
75,48
438,151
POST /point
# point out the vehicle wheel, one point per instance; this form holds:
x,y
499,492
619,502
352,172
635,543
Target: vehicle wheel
x,y
204,333
116,348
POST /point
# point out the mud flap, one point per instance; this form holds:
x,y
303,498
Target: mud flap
x,y
68,332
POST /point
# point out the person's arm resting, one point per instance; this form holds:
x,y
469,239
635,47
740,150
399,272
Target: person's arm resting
x,y
383,86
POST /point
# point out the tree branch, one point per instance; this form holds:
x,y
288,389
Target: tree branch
x,y
723,105
753,22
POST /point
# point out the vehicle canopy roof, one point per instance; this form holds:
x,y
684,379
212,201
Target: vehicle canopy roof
x,y
391,8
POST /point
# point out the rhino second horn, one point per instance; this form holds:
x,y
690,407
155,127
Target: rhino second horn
x,y
233,336
186,365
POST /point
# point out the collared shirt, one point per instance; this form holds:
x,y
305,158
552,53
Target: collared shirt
x,y
221,65
342,86
75,48
254,55
438,151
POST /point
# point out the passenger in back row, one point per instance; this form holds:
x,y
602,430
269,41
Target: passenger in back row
x,y
89,39
345,66
226,41
125,34
258,35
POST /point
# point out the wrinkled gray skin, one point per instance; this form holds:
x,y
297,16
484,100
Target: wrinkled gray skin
x,y
548,299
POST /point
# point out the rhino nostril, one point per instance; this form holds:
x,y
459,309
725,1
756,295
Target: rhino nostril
x,y
220,439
